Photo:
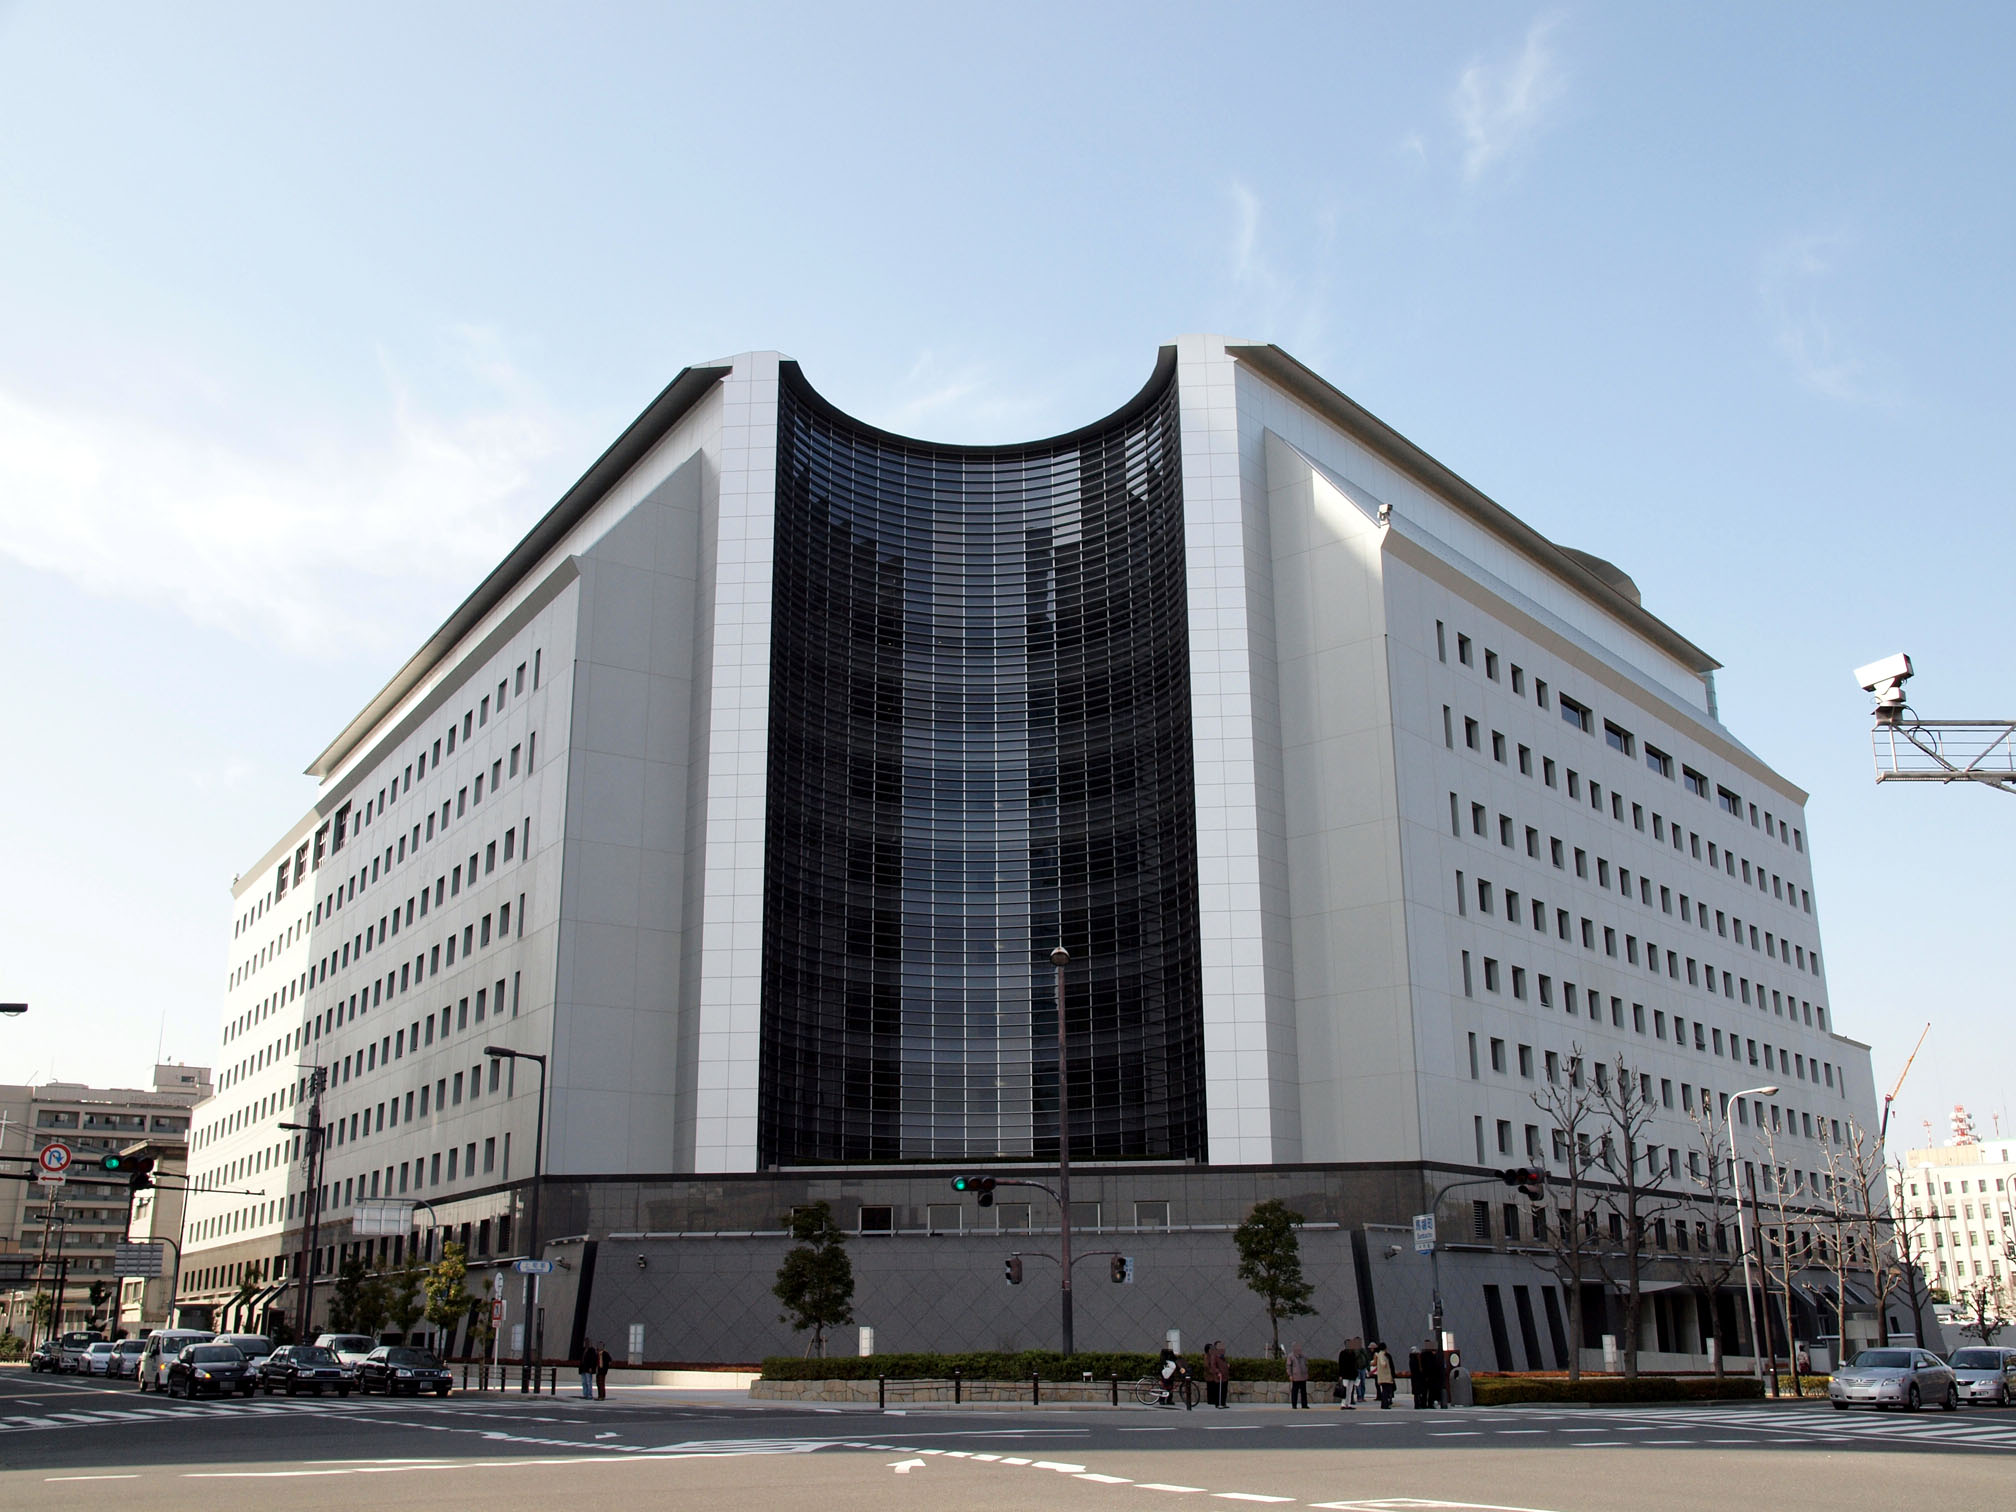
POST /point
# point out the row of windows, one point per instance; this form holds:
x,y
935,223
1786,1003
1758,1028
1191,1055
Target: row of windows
x,y
1785,890
1583,718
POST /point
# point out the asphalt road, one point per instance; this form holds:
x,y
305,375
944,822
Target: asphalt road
x,y
68,1443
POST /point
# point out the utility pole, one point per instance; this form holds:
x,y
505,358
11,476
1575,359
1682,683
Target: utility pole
x,y
311,1231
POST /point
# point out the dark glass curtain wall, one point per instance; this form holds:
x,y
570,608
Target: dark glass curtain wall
x,y
979,746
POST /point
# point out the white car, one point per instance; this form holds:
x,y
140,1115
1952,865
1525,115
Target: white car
x,y
347,1347
163,1345
97,1359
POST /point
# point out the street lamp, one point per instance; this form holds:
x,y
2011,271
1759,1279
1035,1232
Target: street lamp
x,y
1060,958
1742,1232
498,1052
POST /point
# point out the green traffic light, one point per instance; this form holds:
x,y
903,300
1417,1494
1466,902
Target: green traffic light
x,y
110,1162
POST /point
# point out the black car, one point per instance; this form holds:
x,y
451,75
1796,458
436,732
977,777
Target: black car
x,y
207,1369
295,1368
48,1356
393,1368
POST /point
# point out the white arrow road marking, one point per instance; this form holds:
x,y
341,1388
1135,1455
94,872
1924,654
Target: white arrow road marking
x,y
904,1467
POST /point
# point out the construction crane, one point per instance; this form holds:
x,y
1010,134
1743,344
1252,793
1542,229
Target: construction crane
x,y
1884,1127
1910,749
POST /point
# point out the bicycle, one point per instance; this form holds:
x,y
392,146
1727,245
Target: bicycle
x,y
1150,1391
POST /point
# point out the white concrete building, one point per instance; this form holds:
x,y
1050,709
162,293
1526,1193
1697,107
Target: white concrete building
x,y
1958,1202
754,787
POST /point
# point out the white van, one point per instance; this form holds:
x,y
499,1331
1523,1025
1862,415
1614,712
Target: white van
x,y
162,1346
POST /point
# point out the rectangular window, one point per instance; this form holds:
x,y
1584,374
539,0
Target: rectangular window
x,y
1490,975
1577,715
1729,802
489,1156
1491,665
1441,642
1694,782
1470,734
1547,770
1518,681
1619,739
1659,761
1463,650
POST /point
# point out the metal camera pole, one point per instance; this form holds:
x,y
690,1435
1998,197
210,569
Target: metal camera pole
x,y
1060,958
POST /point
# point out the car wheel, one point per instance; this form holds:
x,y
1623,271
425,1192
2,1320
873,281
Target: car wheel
x,y
1911,1401
440,1391
1952,1402
1840,1406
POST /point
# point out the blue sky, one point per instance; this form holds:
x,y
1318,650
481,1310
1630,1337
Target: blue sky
x,y
306,313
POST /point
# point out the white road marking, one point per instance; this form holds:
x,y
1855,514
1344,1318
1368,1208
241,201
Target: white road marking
x,y
1104,1480
1164,1486
1248,1496
904,1467
53,1478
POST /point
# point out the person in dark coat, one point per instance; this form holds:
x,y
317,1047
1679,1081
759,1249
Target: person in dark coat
x,y
1417,1378
586,1365
1347,1375
1436,1384
603,1360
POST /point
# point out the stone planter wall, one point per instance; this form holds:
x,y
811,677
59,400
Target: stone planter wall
x,y
1054,1393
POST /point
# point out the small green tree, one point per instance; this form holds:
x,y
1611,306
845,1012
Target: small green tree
x,y
816,1281
41,1307
1270,1263
402,1300
346,1297
448,1299
247,1290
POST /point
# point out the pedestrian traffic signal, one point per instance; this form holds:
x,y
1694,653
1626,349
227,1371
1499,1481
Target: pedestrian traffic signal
x,y
1531,1181
983,1185
1011,1270
1123,1269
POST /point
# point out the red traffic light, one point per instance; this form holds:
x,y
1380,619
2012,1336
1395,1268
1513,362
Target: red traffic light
x,y
1011,1270
1531,1181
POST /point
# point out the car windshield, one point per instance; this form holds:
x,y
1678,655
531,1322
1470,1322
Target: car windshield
x,y
129,1346
101,1349
410,1357
1978,1359
353,1342
252,1344
1883,1359
310,1355
215,1354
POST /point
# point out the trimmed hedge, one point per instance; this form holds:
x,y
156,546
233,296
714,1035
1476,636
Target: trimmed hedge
x,y
1001,1366
1500,1390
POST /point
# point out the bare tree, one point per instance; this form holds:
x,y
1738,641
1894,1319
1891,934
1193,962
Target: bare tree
x,y
1857,1217
1636,1192
1569,1243
1708,1269
1905,1245
1791,1241
1983,1309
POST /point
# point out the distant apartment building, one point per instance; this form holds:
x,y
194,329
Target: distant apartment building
x,y
1958,1203
753,789
73,1227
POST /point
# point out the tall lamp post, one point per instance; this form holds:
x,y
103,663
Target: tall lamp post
x,y
498,1052
1742,1231
1060,958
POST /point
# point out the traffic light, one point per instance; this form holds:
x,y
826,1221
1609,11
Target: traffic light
x,y
139,1168
1011,1270
983,1185
1531,1181
1122,1269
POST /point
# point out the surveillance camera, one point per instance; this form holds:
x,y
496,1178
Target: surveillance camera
x,y
1886,679
643,1263
1392,1250
1881,675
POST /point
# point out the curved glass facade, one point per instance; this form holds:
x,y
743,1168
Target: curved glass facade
x,y
979,746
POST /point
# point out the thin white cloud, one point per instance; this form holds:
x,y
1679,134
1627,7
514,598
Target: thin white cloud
x,y
1500,106
302,549
1794,287
1289,304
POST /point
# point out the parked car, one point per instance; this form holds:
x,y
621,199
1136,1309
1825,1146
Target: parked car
x,y
73,1346
1986,1375
347,1347
393,1368
1906,1378
97,1359
254,1347
125,1362
47,1356
295,1368
162,1346
207,1369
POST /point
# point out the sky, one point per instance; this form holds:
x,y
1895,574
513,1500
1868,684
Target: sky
x,y
307,312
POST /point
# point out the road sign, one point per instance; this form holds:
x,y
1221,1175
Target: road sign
x,y
496,1311
52,1163
137,1259
379,1217
534,1267
1424,1233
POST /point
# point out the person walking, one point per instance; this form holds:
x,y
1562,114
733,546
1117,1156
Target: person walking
x,y
586,1365
1382,1375
1298,1378
603,1360
1347,1375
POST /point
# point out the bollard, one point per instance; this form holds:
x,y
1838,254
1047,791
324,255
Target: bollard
x,y
955,1385
881,1391
1035,1388
1116,1388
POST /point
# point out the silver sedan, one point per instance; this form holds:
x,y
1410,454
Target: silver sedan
x,y
1986,1375
1906,1378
